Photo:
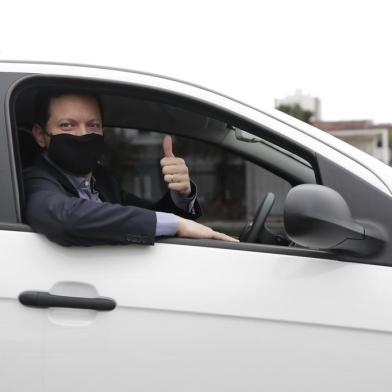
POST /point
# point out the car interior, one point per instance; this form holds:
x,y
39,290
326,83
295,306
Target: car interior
x,y
136,119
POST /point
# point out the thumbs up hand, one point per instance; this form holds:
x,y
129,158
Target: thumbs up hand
x,y
175,171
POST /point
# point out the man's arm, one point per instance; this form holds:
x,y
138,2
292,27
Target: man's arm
x,y
71,220
165,204
182,190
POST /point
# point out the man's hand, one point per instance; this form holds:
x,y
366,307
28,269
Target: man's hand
x,y
174,169
190,229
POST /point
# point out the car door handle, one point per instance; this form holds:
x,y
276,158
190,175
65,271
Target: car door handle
x,y
41,299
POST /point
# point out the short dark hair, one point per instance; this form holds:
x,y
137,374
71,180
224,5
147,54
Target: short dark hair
x,y
44,98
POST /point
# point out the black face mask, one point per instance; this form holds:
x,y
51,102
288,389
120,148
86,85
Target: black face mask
x,y
76,154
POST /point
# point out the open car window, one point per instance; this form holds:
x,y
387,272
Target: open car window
x,y
234,163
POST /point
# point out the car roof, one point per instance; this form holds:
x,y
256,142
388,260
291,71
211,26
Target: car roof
x,y
290,126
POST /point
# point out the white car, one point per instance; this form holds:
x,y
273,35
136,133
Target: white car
x,y
308,309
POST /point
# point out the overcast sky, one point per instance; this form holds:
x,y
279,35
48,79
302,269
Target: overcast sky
x,y
255,51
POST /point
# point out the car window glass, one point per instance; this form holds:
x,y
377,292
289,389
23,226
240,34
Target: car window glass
x,y
229,187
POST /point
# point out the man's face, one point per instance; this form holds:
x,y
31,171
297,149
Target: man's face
x,y
74,114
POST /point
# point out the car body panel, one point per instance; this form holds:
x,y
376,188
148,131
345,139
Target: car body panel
x,y
196,317
227,316
219,281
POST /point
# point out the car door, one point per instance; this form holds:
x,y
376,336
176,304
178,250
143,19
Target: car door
x,y
193,315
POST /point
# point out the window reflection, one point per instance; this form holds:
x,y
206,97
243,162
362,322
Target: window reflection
x,y
229,187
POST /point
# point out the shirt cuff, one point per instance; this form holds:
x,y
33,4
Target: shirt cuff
x,y
166,224
185,203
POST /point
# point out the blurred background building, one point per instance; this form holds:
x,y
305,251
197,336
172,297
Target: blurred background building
x,y
300,105
373,139
363,134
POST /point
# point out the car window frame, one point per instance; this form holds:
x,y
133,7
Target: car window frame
x,y
14,157
10,212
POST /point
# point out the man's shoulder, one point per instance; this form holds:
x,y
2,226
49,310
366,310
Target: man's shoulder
x,y
39,169
34,171
42,175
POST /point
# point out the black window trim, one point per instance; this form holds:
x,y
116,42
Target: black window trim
x,y
12,169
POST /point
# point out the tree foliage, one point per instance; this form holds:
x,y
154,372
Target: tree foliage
x,y
297,112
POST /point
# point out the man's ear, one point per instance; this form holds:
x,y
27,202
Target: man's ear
x,y
39,135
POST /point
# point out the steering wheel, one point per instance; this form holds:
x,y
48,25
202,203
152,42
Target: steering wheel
x,y
253,230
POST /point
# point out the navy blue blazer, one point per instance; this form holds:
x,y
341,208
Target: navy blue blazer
x,y
54,208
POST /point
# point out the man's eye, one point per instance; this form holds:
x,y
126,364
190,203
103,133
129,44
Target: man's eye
x,y
95,125
65,125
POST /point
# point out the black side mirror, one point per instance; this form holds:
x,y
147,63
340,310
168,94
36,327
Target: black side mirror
x,y
318,217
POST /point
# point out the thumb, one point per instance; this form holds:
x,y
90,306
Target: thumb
x,y
168,146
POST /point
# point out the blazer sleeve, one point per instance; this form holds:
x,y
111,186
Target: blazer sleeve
x,y
165,204
69,220
109,189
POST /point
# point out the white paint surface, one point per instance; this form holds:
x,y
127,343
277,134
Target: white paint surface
x,y
193,318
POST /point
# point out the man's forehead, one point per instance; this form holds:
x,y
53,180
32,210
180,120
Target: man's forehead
x,y
74,103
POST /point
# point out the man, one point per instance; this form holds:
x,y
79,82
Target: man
x,y
73,201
